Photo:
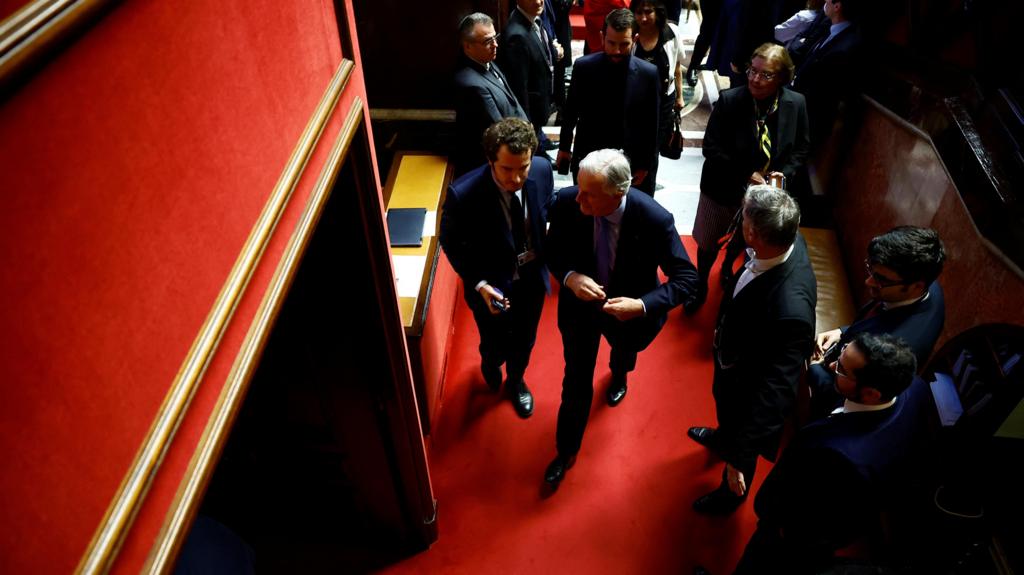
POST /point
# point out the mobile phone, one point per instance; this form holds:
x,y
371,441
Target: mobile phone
x,y
499,304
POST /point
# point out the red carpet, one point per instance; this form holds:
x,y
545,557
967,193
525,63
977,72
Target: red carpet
x,y
623,508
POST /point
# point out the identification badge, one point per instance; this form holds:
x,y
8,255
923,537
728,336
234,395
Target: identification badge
x,y
526,257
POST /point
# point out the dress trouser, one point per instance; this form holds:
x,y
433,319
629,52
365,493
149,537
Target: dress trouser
x,y
508,337
581,338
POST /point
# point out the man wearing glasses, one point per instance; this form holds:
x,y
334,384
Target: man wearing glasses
x,y
482,93
903,265
840,471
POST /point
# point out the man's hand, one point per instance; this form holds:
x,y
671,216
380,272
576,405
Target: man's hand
x,y
678,104
562,160
825,340
638,177
584,287
490,295
624,308
734,477
559,52
756,178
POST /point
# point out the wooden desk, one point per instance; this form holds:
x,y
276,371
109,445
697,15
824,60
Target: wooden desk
x,y
427,284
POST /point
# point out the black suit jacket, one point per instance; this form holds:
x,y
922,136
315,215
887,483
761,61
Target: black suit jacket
x,y
480,100
839,471
731,143
638,119
763,337
827,76
648,240
476,237
525,62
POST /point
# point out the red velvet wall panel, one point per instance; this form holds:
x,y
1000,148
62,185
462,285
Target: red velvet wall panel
x,y
134,167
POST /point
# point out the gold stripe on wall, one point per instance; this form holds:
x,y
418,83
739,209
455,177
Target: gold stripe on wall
x,y
218,428
32,30
110,533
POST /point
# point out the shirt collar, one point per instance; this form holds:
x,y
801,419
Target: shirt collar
x,y
837,28
616,216
850,406
759,266
896,304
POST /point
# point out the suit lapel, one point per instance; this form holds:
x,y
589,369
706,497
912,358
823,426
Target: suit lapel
x,y
501,84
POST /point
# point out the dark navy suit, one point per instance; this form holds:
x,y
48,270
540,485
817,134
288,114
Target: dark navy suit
x,y
831,483
648,240
828,75
478,242
612,106
482,97
918,324
525,62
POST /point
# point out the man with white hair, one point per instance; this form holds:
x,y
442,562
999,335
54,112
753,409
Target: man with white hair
x,y
606,244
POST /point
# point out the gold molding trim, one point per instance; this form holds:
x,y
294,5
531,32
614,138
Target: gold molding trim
x,y
110,533
211,444
36,26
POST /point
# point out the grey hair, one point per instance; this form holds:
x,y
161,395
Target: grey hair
x,y
773,213
468,23
610,164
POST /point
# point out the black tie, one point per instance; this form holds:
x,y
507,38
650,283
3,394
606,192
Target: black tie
x,y
518,224
543,35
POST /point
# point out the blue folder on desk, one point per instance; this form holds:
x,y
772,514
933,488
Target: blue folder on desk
x,y
405,226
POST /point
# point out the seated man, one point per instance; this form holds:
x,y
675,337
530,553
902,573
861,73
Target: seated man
x,y
840,472
906,301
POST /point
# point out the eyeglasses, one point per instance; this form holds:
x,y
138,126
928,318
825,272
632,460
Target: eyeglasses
x,y
489,41
881,280
766,76
839,369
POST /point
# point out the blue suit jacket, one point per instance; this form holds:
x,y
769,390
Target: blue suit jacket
x,y
476,237
638,118
837,474
648,240
525,63
480,100
918,324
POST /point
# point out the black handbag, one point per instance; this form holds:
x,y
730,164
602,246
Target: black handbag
x,y
672,147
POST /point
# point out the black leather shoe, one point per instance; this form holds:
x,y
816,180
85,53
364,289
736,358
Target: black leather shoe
x,y
522,399
557,469
719,502
691,76
492,375
702,435
617,390
548,145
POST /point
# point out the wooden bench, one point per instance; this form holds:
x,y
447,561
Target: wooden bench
x,y
835,300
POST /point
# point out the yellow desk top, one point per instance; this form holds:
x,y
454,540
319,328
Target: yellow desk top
x,y
416,180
